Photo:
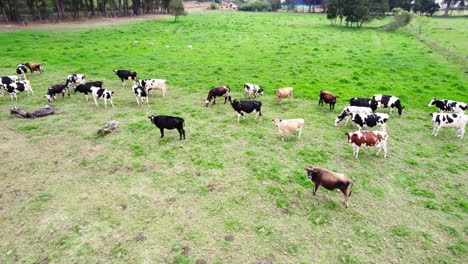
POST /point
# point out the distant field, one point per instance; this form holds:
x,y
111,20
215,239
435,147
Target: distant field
x,y
231,192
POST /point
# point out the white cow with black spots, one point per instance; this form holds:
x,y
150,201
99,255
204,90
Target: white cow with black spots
x,y
140,94
100,93
440,120
150,84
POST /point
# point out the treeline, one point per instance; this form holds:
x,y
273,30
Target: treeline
x,y
23,11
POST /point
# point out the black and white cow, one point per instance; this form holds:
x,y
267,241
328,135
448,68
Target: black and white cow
x,y
75,79
216,92
126,75
365,102
56,89
456,120
362,120
445,105
22,70
252,90
168,122
348,112
19,86
140,94
85,88
6,80
247,107
389,101
104,94
150,84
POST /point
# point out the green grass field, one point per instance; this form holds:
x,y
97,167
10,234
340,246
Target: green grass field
x,y
232,192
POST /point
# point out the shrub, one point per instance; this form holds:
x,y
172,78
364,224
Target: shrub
x,y
256,6
401,19
214,6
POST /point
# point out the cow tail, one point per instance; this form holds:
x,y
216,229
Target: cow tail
x,y
349,186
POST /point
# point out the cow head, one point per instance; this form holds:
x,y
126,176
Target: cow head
x,y
115,71
234,102
207,103
276,121
373,105
432,102
151,118
260,91
311,171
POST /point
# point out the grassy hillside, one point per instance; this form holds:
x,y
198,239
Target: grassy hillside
x,y
231,192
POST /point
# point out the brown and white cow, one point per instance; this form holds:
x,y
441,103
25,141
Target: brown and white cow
x,y
216,92
363,138
330,180
286,126
286,92
328,98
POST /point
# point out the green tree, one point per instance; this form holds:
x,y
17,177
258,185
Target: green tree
x,y
176,8
355,11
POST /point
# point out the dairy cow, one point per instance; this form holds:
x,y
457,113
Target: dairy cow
x,y
455,120
389,101
445,105
362,138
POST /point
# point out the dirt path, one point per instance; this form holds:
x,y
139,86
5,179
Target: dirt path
x,y
190,7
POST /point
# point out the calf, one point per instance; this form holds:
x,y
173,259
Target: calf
x,y
364,102
247,107
456,120
101,93
330,180
286,92
150,84
370,120
445,105
348,112
289,126
168,122
85,88
252,90
218,91
140,94
360,139
32,66
389,101
126,75
328,98
56,89
22,70
19,86
74,79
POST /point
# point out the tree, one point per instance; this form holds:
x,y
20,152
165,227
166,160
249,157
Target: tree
x,y
447,8
355,11
176,8
275,5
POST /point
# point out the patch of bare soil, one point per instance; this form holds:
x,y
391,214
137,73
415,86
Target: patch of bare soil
x,y
190,7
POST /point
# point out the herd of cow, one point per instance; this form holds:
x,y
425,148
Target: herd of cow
x,y
361,112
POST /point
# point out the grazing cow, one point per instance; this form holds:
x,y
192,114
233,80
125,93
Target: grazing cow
x,y
140,94
150,84
364,102
19,86
74,79
289,126
56,89
168,122
389,101
456,120
445,105
252,90
281,93
361,138
32,66
22,70
218,91
330,180
370,120
85,88
101,93
328,98
348,111
8,79
247,107
126,75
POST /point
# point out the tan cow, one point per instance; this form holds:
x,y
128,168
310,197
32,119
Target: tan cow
x,y
330,180
284,93
289,126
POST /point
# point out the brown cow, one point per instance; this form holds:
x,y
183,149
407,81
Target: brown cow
x,y
330,180
286,92
34,67
218,91
328,98
363,138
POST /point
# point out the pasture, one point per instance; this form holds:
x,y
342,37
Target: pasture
x,y
232,192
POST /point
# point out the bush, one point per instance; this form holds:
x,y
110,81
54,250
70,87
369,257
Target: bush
x,y
401,19
214,6
256,6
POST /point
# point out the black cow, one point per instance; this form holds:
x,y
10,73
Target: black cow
x,y
445,105
168,122
218,91
247,107
373,104
22,70
85,88
56,89
370,120
389,101
126,75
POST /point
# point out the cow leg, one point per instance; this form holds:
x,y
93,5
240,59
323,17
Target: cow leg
x,y
384,146
315,188
86,95
95,101
436,131
162,132
181,133
138,101
320,102
147,101
214,100
105,103
278,100
461,132
300,132
110,100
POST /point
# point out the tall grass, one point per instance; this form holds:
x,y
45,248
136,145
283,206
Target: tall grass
x,y
231,192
